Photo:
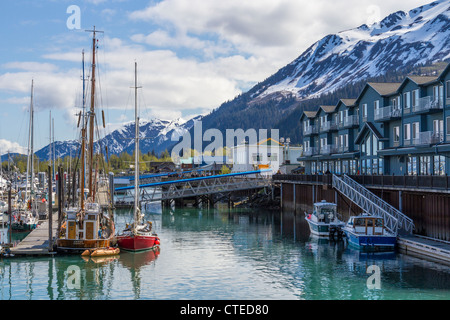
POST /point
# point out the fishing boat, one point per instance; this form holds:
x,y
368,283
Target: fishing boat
x,y
86,226
324,221
369,233
24,220
138,235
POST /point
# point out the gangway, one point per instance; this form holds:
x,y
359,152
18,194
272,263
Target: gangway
x,y
395,221
198,186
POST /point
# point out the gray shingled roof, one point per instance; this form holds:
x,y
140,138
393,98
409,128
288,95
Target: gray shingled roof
x,y
422,79
383,88
310,114
328,109
348,102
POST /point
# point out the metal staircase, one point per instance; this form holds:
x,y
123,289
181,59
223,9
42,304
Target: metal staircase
x,y
394,220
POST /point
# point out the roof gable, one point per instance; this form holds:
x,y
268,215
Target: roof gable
x,y
418,80
382,88
369,127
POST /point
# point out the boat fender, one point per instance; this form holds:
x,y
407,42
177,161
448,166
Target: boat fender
x,y
86,253
157,242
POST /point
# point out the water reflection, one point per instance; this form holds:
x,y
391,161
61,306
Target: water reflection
x,y
225,254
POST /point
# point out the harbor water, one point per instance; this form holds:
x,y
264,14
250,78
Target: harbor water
x,y
222,254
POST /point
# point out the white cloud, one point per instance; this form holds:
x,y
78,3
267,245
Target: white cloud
x,y
276,30
207,52
11,147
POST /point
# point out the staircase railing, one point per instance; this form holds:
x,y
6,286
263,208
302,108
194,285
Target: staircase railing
x,y
373,205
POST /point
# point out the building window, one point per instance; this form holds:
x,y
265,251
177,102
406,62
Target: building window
x,y
448,125
448,89
415,132
407,133
257,157
368,146
313,168
345,167
396,136
272,157
353,167
375,145
439,165
338,167
375,166
412,166
407,101
425,165
376,104
364,111
380,166
415,98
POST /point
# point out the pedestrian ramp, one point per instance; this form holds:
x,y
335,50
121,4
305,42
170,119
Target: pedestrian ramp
x,y
395,221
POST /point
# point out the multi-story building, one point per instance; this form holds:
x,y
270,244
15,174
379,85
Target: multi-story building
x,y
390,129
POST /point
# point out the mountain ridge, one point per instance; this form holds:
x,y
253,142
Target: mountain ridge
x,y
394,46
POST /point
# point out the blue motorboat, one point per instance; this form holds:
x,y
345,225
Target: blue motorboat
x,y
369,233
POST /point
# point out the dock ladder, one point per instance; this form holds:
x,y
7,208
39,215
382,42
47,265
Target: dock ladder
x,y
395,221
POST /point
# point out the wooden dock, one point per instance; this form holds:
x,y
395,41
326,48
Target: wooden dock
x,y
103,196
36,243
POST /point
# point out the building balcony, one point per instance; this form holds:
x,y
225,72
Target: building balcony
x,y
351,121
328,149
427,138
310,130
311,151
427,104
341,149
328,126
387,113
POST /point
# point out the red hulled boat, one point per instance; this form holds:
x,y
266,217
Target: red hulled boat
x,y
137,236
141,238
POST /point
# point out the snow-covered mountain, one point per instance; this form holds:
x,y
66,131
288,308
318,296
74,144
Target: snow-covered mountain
x,y
156,135
396,45
401,39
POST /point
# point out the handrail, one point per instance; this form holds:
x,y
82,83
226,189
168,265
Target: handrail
x,y
364,202
405,222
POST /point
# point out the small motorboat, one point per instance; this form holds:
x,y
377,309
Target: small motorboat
x,y
324,221
369,233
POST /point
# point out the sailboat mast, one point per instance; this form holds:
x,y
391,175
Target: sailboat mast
x,y
83,145
30,144
32,140
136,150
91,118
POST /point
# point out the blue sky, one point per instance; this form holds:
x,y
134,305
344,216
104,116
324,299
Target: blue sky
x,y
192,55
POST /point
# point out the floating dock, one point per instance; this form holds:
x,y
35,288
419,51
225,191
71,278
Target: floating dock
x,y
36,242
424,247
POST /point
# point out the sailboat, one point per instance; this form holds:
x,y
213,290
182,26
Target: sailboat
x,y
137,236
85,226
25,218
